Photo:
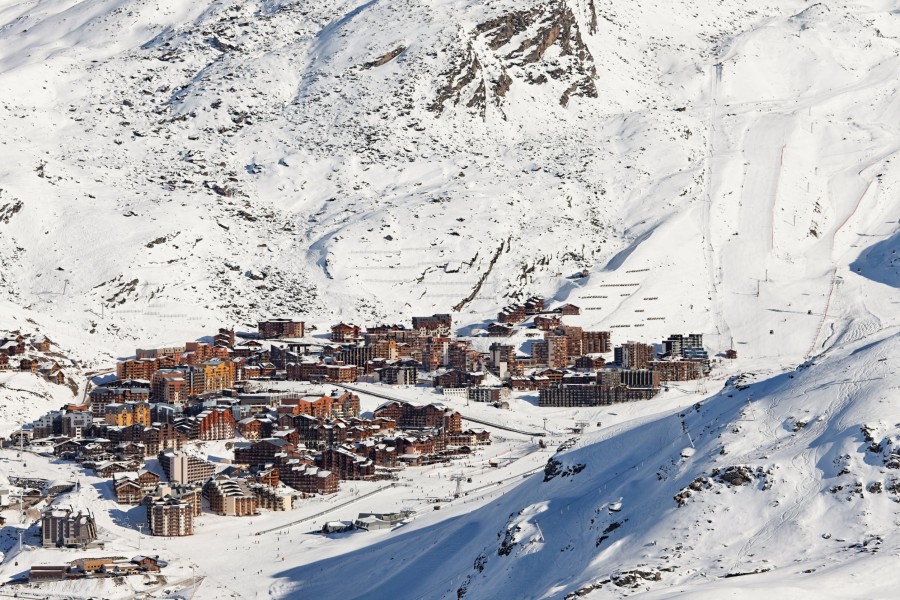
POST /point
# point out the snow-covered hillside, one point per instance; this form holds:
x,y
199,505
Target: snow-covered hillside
x,y
790,482
721,167
170,165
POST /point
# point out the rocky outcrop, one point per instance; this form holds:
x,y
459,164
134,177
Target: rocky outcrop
x,y
700,483
734,476
555,468
517,47
634,578
502,85
7,211
593,24
458,77
385,58
509,541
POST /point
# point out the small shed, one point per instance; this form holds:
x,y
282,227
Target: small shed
x,y
337,526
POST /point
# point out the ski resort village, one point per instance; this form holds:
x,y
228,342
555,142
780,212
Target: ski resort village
x,y
302,435
449,300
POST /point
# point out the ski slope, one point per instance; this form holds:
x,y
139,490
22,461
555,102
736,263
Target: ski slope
x,y
719,168
819,504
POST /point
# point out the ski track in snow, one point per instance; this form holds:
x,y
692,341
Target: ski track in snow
x,y
735,176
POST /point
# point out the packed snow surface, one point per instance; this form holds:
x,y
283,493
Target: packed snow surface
x,y
720,167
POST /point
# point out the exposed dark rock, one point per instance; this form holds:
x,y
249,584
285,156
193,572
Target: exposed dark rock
x,y
612,527
633,578
220,45
742,573
734,476
502,85
892,461
8,210
509,541
546,27
385,58
480,562
555,468
698,484
457,79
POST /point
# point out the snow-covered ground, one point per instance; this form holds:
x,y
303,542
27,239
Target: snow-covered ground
x,y
816,514
26,397
169,167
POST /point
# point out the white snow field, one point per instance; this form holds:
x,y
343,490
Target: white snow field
x,y
815,513
722,167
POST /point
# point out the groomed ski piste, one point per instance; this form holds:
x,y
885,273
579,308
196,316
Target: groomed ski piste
x,y
734,176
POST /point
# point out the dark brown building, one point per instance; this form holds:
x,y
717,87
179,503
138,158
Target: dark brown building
x,y
343,332
347,464
635,355
412,416
281,328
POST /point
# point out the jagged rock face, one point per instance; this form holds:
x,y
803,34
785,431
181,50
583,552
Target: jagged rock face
x,y
554,467
534,46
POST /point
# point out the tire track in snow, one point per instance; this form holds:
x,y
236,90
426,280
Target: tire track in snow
x,y
834,278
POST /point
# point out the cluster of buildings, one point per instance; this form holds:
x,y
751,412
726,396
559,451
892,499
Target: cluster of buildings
x,y
289,444
637,373
96,567
31,355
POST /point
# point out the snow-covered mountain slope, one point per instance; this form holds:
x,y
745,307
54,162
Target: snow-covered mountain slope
x,y
790,482
168,165
722,167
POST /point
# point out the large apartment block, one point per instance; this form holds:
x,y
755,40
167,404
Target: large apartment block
x,y
281,328
230,497
183,468
63,527
170,517
634,355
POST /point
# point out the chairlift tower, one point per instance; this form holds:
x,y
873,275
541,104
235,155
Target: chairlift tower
x,y
459,478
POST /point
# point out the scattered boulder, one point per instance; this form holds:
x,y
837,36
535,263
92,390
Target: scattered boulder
x,y
700,483
734,476
634,578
